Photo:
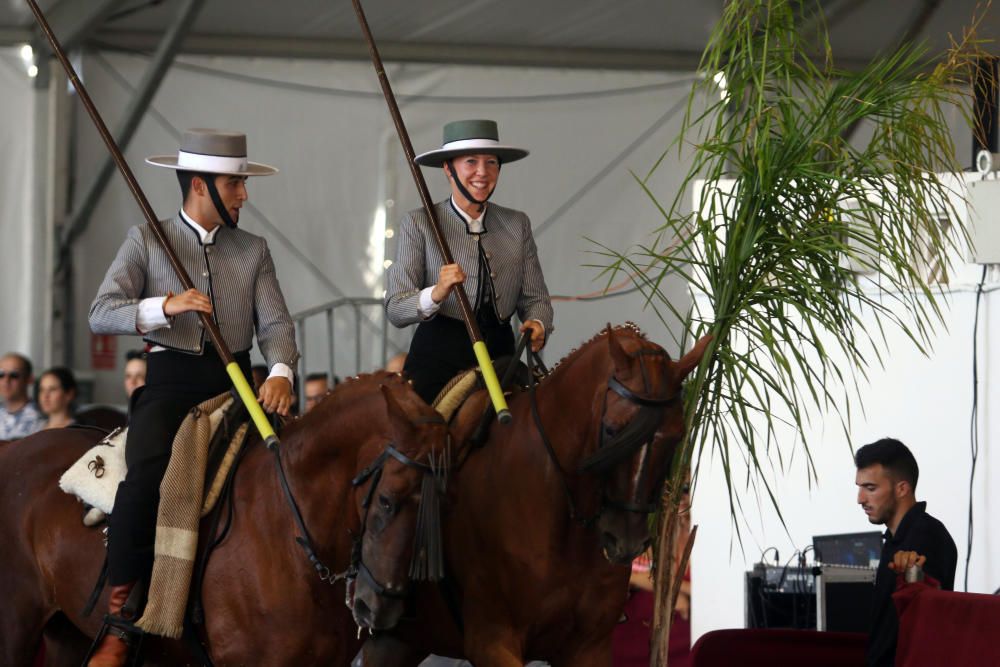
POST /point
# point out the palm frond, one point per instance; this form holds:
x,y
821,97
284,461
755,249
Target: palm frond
x,y
795,229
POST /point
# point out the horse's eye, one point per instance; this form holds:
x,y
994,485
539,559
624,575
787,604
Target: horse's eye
x,y
610,431
385,504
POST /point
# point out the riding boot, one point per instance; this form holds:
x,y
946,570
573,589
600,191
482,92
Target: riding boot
x,y
113,650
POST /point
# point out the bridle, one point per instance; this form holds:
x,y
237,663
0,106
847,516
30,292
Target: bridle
x,y
427,559
637,435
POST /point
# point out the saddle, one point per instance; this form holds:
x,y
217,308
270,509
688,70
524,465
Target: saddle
x,y
95,476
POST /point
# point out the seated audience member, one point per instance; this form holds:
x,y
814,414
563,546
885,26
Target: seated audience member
x,y
887,481
317,387
56,393
18,417
135,371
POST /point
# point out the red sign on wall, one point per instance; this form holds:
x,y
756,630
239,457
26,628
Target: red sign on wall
x,y
102,352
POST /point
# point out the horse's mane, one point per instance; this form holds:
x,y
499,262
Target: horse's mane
x,y
629,327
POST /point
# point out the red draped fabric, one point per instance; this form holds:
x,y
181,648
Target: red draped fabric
x,y
946,628
631,638
787,648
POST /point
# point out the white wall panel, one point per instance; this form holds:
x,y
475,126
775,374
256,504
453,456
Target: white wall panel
x,y
924,401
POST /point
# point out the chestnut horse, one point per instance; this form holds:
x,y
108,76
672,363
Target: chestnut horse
x,y
542,522
264,601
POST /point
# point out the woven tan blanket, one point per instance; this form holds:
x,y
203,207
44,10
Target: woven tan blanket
x,y
181,506
451,397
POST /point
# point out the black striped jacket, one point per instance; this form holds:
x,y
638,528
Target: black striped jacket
x,y
236,272
510,250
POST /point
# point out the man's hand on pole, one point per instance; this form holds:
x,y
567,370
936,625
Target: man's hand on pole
x,y
189,301
276,395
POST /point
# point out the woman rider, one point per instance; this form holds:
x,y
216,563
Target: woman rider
x,y
495,258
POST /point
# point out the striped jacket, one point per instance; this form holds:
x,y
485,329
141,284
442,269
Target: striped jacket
x,y
236,272
510,250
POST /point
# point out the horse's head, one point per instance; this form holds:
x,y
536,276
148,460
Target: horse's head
x,y
642,421
399,503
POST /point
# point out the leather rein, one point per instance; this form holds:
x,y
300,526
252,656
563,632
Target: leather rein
x,y
373,472
606,455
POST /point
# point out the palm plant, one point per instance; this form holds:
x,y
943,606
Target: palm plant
x,y
795,230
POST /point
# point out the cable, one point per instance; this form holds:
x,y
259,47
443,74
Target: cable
x,y
619,289
611,166
451,99
973,430
610,294
776,556
128,11
784,570
802,557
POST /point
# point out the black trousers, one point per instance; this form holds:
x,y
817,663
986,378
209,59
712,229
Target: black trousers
x,y
175,383
441,349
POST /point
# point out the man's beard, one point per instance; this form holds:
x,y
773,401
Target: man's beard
x,y
883,516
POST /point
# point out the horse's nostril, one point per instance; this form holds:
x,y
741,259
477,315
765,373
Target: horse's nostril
x,y
361,610
609,539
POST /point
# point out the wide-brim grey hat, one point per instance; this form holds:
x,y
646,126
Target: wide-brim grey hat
x,y
213,152
470,137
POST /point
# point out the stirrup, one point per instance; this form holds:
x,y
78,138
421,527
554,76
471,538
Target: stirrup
x,y
126,631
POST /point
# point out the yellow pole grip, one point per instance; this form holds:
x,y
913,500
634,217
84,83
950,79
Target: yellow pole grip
x,y
250,400
492,383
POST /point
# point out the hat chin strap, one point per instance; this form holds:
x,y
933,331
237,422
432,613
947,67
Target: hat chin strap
x,y
220,208
464,191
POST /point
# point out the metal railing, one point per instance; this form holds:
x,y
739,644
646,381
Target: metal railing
x,y
329,311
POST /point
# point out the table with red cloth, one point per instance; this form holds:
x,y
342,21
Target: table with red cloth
x,y
946,628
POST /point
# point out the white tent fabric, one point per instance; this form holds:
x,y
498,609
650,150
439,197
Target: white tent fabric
x,y
344,181
20,240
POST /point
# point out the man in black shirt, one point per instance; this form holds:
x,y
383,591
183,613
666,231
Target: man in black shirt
x,y
887,480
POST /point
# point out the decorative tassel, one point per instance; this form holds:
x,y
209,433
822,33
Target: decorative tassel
x,y
427,563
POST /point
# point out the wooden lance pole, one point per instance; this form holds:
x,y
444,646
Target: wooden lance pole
x,y
232,368
478,345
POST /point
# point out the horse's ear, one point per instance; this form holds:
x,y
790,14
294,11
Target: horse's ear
x,y
619,358
399,424
690,361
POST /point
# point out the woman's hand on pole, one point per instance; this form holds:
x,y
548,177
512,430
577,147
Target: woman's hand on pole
x,y
449,276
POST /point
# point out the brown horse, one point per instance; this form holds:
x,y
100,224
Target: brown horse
x,y
539,536
264,601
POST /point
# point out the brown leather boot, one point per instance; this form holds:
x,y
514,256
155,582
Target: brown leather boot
x,y
113,651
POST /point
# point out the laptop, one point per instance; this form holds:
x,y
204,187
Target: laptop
x,y
854,549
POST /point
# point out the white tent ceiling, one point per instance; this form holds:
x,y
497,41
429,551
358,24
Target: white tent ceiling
x,y
637,34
